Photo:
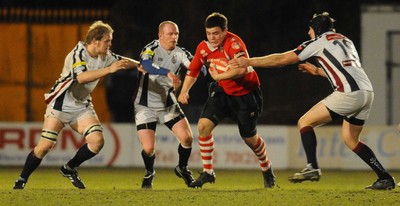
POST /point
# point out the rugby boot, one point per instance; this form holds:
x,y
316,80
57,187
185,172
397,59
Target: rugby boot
x,y
185,174
72,175
148,180
269,178
307,173
203,178
382,184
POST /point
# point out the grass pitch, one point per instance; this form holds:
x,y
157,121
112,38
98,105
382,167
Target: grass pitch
x,y
110,186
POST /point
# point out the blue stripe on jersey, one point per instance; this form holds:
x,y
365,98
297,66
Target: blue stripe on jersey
x,y
59,82
338,65
300,48
81,57
188,54
59,102
74,60
73,56
143,97
169,102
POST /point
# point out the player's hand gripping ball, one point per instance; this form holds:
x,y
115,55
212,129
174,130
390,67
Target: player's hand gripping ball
x,y
220,65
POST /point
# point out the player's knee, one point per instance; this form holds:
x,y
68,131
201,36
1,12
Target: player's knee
x,y
94,137
204,129
351,144
187,141
95,143
41,150
301,123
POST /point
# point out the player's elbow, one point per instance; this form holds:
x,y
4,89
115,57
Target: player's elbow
x,y
80,79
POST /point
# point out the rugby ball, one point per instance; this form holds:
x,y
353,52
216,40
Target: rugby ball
x,y
221,65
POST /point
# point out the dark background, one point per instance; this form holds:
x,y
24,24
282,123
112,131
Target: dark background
x,y
265,26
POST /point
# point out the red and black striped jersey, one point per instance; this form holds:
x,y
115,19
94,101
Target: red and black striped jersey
x,y
233,47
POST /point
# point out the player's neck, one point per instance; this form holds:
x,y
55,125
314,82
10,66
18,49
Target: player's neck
x,y
91,51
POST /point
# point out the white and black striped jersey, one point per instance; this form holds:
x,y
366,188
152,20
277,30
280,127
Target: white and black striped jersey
x,y
67,94
154,90
338,57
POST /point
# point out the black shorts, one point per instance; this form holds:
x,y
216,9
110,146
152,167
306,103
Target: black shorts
x,y
244,109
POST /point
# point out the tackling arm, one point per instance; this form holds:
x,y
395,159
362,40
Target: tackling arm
x,y
92,75
268,61
131,62
232,73
187,84
274,60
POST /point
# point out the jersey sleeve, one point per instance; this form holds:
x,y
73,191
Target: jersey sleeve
x,y
112,57
237,48
146,60
308,49
197,62
187,58
76,62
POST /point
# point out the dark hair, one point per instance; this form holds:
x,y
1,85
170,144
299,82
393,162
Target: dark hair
x,y
322,23
216,20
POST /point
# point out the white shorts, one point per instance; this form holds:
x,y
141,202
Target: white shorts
x,y
70,117
355,104
146,115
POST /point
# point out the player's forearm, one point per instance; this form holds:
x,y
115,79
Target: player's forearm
x,y
274,60
131,62
92,75
152,68
188,83
232,74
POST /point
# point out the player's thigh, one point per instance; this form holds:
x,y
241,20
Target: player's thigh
x,y
317,115
88,125
51,128
216,108
246,110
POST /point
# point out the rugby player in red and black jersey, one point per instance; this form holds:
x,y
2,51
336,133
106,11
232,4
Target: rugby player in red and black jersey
x,y
235,94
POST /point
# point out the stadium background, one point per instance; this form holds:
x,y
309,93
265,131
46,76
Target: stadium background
x,y
37,34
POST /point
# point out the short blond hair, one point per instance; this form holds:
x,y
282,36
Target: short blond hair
x,y
97,31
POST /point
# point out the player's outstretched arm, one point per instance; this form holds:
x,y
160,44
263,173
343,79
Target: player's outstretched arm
x,y
131,62
92,75
268,61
